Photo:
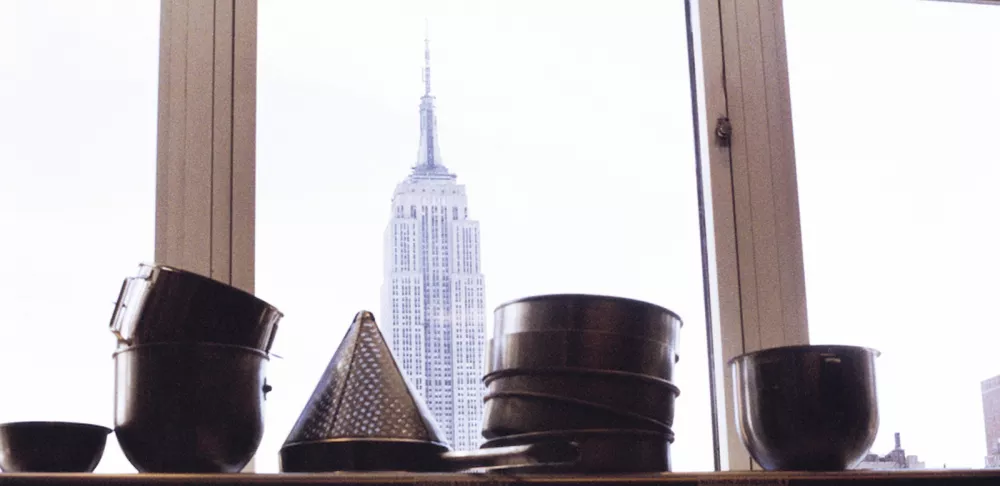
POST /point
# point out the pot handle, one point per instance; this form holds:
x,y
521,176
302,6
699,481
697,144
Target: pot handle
x,y
499,458
118,316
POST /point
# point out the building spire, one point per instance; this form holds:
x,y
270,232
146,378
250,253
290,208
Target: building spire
x,y
429,164
427,58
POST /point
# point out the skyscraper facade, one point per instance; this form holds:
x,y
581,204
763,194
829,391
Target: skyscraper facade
x,y
433,305
990,389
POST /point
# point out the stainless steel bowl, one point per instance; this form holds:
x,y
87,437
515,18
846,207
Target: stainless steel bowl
x,y
580,312
168,305
189,408
806,408
51,447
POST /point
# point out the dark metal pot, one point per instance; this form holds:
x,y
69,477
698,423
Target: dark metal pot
x,y
509,413
51,447
580,312
189,408
648,397
806,408
168,305
608,451
549,350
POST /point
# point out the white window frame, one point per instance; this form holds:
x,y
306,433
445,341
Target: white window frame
x,y
755,243
205,196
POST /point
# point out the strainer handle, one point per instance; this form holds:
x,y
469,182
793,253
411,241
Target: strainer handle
x,y
543,453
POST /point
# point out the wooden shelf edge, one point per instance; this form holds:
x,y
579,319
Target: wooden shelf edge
x,y
914,477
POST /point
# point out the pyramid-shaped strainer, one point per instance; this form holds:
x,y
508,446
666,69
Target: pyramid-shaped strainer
x,y
364,394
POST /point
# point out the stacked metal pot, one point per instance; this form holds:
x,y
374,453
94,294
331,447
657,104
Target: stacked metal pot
x,y
189,371
593,370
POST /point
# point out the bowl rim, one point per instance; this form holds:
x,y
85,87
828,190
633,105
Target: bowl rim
x,y
804,348
160,267
35,423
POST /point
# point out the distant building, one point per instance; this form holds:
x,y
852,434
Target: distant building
x,y
432,292
895,459
991,416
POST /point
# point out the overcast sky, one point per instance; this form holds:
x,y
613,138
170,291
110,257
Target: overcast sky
x,y
569,123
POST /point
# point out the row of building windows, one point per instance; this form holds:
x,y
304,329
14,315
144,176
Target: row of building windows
x,y
455,211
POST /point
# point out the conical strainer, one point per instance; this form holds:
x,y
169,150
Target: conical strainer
x,y
363,394
364,415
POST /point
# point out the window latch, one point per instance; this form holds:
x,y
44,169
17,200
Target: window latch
x,y
723,130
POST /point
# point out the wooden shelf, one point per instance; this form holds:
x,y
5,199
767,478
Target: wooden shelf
x,y
893,478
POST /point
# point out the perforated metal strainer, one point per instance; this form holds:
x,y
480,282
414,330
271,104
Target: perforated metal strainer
x,y
363,394
364,415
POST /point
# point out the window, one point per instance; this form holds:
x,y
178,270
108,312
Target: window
x,y
352,69
568,133
894,108
78,90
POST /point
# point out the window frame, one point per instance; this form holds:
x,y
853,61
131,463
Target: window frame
x,y
752,251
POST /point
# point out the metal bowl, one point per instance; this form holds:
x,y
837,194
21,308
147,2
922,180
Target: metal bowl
x,y
642,395
168,305
547,350
51,447
189,408
580,312
806,408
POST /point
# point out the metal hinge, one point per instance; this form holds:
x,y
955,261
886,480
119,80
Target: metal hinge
x,y
723,130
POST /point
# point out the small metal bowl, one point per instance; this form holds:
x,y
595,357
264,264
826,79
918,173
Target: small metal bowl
x,y
806,408
51,447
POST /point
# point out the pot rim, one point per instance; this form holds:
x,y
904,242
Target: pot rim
x,y
611,298
573,370
181,271
197,345
34,423
515,439
805,348
610,334
570,401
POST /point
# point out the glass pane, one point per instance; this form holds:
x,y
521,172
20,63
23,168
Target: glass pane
x,y
894,106
78,87
567,128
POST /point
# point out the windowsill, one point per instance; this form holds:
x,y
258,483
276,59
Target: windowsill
x,y
909,478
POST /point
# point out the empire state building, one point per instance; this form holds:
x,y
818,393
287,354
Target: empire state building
x,y
432,293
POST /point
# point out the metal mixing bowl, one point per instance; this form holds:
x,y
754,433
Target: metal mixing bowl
x,y
189,408
50,447
806,408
